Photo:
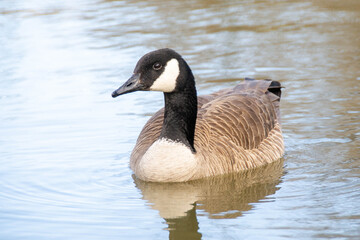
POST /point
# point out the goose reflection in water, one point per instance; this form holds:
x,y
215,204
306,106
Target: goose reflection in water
x,y
227,196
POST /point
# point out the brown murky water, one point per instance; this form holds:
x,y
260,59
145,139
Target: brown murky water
x,y
65,143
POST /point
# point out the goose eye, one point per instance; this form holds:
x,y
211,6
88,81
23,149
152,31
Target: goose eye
x,y
157,66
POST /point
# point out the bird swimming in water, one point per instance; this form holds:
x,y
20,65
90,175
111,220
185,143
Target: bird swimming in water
x,y
194,136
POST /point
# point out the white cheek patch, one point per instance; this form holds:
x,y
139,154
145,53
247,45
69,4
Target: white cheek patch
x,y
166,82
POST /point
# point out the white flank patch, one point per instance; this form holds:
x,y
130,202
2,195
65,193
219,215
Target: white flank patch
x,y
167,161
167,80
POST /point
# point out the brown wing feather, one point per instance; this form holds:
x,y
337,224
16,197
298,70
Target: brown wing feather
x,y
242,129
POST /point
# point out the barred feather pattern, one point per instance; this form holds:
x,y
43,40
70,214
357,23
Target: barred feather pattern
x,y
236,129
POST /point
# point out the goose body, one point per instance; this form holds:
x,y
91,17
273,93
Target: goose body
x,y
195,137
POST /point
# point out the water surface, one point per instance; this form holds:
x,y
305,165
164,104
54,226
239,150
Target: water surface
x,y
65,143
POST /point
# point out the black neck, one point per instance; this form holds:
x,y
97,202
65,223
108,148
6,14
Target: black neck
x,y
180,114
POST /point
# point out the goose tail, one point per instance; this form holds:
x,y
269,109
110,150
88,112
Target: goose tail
x,y
275,88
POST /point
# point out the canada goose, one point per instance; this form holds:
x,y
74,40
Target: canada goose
x,y
194,137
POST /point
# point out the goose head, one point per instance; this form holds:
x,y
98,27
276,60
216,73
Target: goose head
x,y
161,70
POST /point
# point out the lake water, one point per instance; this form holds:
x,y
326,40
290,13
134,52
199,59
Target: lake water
x,y
65,143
